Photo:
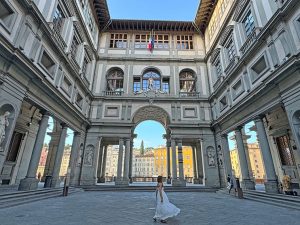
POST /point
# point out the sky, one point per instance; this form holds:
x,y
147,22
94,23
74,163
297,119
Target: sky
x,y
153,9
151,132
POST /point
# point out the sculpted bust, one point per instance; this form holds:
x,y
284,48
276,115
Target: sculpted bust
x,y
3,124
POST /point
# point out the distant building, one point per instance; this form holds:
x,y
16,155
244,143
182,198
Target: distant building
x,y
112,160
255,161
143,165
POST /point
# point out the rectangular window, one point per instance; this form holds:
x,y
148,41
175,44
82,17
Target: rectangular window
x,y
79,100
160,41
249,23
84,65
166,85
7,15
184,42
66,85
136,84
74,46
48,63
259,68
230,49
118,41
218,67
58,19
223,103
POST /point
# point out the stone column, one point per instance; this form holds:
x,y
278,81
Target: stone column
x,y
130,161
30,182
195,178
199,163
74,154
271,185
174,160
99,167
119,180
180,161
58,157
102,178
168,163
246,182
126,160
226,154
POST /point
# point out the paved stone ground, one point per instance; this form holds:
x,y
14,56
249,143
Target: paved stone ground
x,y
137,208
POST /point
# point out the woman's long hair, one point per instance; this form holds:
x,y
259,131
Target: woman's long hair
x,y
160,180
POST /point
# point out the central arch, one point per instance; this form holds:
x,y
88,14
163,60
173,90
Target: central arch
x,y
151,113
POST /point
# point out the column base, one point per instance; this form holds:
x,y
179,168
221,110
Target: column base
x,y
122,182
178,183
196,181
28,184
169,181
55,183
247,185
271,186
101,180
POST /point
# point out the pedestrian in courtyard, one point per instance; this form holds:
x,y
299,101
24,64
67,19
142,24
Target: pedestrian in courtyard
x,y
164,209
232,183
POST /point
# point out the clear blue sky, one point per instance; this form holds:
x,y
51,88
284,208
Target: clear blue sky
x,y
151,132
153,9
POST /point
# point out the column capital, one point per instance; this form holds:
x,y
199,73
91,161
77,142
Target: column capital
x,y
64,126
224,135
259,118
238,129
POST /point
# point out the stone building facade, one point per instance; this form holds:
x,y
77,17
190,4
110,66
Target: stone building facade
x,y
237,62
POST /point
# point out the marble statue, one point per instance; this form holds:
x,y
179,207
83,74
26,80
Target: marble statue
x,y
150,83
89,155
211,157
3,124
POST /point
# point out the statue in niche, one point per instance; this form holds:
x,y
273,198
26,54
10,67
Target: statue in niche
x,y
3,124
150,83
211,156
220,156
89,155
79,158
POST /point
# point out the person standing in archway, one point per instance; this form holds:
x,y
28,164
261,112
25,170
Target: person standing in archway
x,y
164,209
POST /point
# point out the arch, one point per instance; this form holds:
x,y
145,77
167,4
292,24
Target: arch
x,y
114,79
187,80
151,113
148,68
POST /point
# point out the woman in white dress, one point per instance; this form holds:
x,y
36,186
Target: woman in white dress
x,y
164,209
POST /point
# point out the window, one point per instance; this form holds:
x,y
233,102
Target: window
x,y
136,84
249,23
187,81
230,49
48,63
184,42
118,41
259,68
237,89
160,41
74,45
151,80
7,15
84,65
166,85
285,151
115,80
58,19
14,146
79,100
66,85
223,103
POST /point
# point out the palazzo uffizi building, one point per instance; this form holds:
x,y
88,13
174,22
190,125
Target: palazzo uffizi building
x,y
237,62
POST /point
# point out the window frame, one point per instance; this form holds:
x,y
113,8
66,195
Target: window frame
x,y
8,26
181,40
113,76
116,38
193,80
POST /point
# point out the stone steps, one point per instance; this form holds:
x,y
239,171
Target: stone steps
x,y
15,198
286,201
146,188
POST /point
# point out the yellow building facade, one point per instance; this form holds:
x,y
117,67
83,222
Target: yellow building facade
x,y
160,161
256,162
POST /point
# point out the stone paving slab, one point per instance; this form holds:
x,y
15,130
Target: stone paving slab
x,y
137,208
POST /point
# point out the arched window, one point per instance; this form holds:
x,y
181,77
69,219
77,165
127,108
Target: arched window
x,y
115,80
151,80
187,81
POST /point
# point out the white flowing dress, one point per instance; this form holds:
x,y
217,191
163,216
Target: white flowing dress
x,y
164,209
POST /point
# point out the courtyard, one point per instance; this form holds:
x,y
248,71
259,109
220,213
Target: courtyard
x,y
137,208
